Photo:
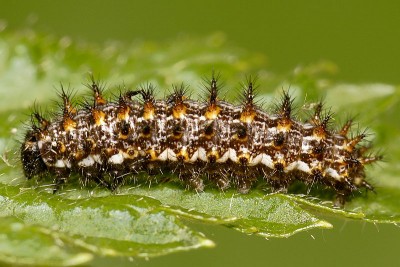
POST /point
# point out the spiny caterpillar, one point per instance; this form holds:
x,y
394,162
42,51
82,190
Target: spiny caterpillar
x,y
196,140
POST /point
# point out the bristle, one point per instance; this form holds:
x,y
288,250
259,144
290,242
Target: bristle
x,y
213,109
285,112
248,105
176,99
249,92
346,127
323,125
68,111
97,92
363,149
351,144
178,94
123,108
43,123
316,119
146,91
67,105
371,159
368,186
321,121
321,118
213,90
326,120
286,105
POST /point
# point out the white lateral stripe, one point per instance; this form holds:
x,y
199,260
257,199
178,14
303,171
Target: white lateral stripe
x,y
67,163
86,162
302,166
59,164
194,157
202,154
116,159
299,165
267,161
224,158
164,155
232,155
171,155
97,158
167,154
40,144
332,173
255,160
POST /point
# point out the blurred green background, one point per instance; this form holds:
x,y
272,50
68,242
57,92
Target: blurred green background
x,y
361,37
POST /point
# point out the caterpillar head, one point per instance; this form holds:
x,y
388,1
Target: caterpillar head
x,y
32,162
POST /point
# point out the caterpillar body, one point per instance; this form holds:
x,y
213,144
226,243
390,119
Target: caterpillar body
x,y
213,140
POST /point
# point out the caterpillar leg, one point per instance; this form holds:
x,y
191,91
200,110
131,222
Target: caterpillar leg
x,y
192,181
222,181
62,175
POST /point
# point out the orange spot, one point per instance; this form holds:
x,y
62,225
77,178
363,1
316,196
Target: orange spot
x,y
213,155
122,136
111,151
61,147
178,136
153,154
68,124
240,140
98,116
68,108
284,124
131,153
91,143
148,111
212,112
179,111
98,99
183,154
281,162
79,155
244,159
247,116
123,113
319,132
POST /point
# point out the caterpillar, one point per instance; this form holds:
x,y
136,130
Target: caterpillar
x,y
211,139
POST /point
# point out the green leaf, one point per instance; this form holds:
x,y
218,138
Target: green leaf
x,y
145,221
254,213
24,244
115,225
